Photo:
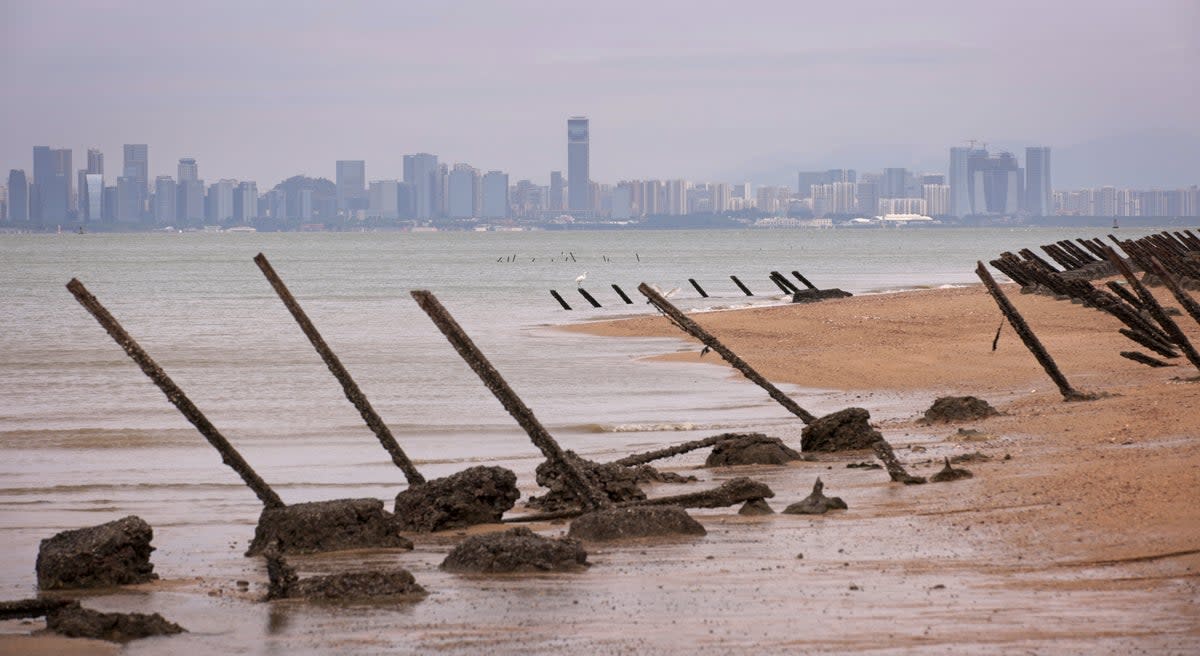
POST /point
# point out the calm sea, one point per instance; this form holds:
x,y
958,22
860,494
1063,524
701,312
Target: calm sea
x,y
86,438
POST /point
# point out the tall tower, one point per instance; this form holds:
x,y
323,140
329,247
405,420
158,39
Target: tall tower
x,y
137,164
419,171
189,171
50,194
18,196
1038,194
351,183
578,177
960,182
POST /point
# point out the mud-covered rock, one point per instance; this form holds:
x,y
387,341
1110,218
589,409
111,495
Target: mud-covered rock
x,y
754,449
845,430
328,526
285,584
75,621
116,553
816,503
479,495
634,522
815,295
959,408
756,507
24,608
620,483
949,473
515,550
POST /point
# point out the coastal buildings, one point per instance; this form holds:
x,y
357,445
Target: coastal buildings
x,y
351,178
578,175
18,196
1038,192
421,171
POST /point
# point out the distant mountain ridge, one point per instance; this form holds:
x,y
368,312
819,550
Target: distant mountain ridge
x,y
1141,160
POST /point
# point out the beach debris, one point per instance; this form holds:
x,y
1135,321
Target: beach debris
x,y
1176,286
845,430
515,550
589,494
812,294
478,495
949,473
680,449
729,493
328,526
175,395
891,463
699,289
116,553
283,583
588,297
1155,309
1143,359
621,292
975,456
1031,341
349,387
752,449
756,507
634,522
741,286
864,465
619,483
26,608
816,503
684,323
558,297
959,408
75,621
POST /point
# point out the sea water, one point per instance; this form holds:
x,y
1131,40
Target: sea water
x,y
85,437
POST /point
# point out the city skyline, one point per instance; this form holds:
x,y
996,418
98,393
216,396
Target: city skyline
x,y
713,98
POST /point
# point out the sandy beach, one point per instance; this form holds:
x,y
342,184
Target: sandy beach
x,y
1079,534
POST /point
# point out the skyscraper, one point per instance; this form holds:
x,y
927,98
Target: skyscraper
x,y
384,199
137,164
894,183
419,171
18,196
245,201
495,195
960,181
189,171
1038,194
130,195
95,161
166,203
464,187
50,194
93,196
351,184
556,190
578,176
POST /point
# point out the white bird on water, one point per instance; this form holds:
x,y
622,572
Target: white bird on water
x,y
580,278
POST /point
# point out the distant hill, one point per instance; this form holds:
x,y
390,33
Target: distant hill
x,y
1154,158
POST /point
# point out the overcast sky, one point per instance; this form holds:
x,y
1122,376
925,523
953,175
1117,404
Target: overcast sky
x,y
265,90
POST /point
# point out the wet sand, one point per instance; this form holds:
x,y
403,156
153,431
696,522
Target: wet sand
x,y
1086,540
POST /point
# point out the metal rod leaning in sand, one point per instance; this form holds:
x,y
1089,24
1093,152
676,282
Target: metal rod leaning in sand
x,y
679,449
692,328
589,494
1031,341
1156,310
349,387
175,395
729,493
1189,304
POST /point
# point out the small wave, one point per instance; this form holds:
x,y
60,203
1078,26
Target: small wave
x,y
951,286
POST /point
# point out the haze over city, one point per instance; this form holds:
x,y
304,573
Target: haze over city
x,y
747,93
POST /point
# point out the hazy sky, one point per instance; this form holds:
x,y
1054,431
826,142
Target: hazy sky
x,y
264,90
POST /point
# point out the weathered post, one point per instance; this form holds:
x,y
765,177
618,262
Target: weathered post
x,y
1181,295
1031,341
690,327
584,293
745,289
1156,310
584,490
560,300
703,294
804,280
621,292
782,279
175,395
349,387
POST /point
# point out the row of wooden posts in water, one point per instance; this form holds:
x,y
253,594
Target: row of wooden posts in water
x,y
785,285
1167,258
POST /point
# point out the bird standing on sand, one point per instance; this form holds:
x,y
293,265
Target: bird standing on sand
x,y
580,278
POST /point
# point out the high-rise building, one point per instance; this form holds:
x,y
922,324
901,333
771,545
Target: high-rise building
x,y
220,201
130,195
245,201
420,171
137,165
93,205
189,197
937,199
495,195
578,175
960,181
933,178
894,183
721,194
463,190
995,183
166,201
806,180
18,196
1038,193
556,191
676,204
351,184
95,161
866,200
50,194
189,171
384,199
